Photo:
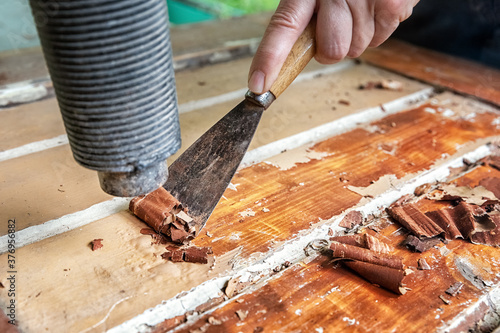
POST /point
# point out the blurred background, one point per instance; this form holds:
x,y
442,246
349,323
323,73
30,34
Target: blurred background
x,y
17,29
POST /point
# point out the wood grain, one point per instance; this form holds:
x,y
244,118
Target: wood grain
x,y
296,198
436,68
326,296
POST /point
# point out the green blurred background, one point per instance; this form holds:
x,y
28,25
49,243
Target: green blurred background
x,y
18,31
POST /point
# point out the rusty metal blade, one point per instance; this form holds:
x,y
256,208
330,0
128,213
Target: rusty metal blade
x,y
199,177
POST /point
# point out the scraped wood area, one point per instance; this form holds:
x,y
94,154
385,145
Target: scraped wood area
x,y
327,160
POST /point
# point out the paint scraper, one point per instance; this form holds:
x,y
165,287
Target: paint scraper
x,y
199,177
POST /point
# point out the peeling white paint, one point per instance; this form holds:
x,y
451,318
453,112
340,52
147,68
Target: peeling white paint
x,y
292,251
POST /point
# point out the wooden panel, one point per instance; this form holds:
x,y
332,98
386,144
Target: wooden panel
x,y
436,68
90,293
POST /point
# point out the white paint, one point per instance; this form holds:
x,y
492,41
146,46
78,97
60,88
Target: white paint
x,y
492,295
448,113
292,251
33,147
68,222
298,312
350,321
335,127
22,92
173,307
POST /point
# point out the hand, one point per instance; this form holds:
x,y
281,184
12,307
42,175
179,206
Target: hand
x,y
344,28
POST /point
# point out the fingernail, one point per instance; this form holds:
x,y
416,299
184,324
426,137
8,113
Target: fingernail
x,y
256,82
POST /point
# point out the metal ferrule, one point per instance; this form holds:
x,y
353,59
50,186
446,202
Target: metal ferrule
x,y
264,100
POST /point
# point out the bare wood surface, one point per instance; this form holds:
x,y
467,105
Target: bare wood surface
x,y
454,73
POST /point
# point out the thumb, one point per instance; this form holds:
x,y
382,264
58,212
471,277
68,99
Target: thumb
x,y
286,25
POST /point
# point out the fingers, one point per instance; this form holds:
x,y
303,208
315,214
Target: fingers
x,y
333,31
288,22
363,27
388,15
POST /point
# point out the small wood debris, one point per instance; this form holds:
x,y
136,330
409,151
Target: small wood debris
x,y
421,245
422,189
193,254
96,244
344,102
231,287
454,289
212,321
351,219
242,314
445,301
382,84
423,265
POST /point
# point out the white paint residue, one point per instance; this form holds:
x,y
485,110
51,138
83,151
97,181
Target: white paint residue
x,y
448,113
22,92
496,122
470,116
247,213
430,110
233,187
291,158
350,321
384,182
298,312
235,236
319,330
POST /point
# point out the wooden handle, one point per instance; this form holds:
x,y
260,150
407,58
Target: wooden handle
x,y
302,52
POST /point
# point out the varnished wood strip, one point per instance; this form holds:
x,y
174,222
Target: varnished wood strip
x,y
323,296
296,197
454,73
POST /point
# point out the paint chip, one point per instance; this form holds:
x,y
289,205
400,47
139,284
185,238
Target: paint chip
x,y
242,314
423,265
96,244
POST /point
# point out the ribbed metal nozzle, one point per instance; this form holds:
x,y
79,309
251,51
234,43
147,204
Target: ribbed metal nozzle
x,y
111,65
